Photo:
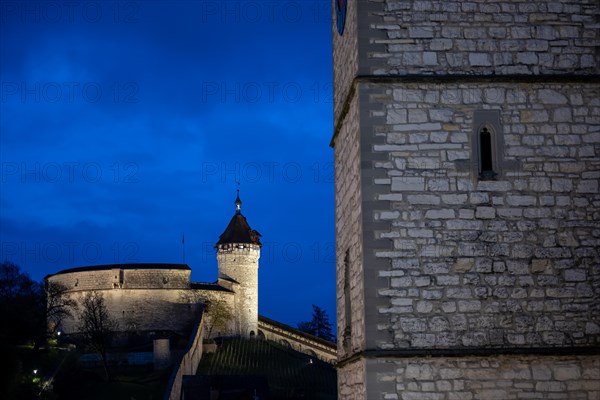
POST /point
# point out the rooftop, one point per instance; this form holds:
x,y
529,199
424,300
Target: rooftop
x,y
238,230
209,286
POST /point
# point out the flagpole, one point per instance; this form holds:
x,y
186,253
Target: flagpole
x,y
183,246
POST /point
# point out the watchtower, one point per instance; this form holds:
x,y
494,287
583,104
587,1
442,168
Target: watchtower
x,y
238,252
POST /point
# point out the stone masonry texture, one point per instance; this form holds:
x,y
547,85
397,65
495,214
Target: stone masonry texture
x,y
444,266
138,299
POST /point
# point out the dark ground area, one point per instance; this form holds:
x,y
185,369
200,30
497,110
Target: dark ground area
x,y
290,375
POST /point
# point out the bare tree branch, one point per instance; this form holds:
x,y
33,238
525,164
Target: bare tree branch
x,y
96,326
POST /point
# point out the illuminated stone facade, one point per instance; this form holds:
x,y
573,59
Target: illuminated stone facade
x,y
467,151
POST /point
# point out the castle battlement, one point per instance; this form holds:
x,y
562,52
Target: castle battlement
x,y
238,248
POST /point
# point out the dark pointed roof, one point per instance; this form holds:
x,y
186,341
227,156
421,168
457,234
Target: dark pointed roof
x,y
238,230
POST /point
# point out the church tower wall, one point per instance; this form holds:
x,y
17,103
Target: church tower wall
x,y
455,282
239,262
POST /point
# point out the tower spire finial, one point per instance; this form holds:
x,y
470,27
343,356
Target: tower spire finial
x,y
238,202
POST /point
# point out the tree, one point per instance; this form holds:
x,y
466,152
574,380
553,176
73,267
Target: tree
x,y
96,326
319,326
219,314
21,306
216,309
59,304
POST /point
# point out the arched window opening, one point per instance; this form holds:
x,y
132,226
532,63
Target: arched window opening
x,y
487,146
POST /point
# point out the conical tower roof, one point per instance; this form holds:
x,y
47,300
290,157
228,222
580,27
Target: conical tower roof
x,y
238,230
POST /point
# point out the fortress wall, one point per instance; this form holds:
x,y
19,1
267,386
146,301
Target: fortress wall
x,y
141,309
198,295
139,299
87,280
157,278
277,333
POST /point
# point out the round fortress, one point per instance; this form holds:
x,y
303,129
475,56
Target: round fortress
x,y
161,297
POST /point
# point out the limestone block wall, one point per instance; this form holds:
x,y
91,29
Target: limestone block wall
x,y
159,276
453,264
345,54
143,299
157,279
349,284
352,380
240,262
141,310
450,265
485,378
480,37
88,280
512,261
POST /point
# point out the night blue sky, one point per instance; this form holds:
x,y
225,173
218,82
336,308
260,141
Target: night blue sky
x,y
124,125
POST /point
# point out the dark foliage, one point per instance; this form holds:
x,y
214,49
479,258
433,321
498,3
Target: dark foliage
x,y
22,306
319,326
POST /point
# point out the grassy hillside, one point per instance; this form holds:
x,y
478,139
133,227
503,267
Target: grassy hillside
x,y
291,375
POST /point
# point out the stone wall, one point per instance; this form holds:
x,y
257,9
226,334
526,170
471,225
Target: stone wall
x,y
141,310
349,293
299,341
239,262
147,297
485,378
513,261
139,299
345,53
226,299
188,363
444,264
156,279
477,37
124,276
352,379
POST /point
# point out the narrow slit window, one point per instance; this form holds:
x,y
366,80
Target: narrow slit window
x,y
486,154
347,302
487,145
